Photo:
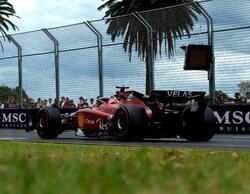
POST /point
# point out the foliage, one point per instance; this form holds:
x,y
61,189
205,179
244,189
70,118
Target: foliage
x,y
28,168
169,25
6,92
6,11
219,92
244,87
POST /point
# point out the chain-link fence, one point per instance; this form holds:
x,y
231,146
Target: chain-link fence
x,y
83,60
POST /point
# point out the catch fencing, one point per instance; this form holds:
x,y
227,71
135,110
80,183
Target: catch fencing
x,y
83,60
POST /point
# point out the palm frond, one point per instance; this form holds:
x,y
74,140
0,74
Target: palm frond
x,y
6,11
170,26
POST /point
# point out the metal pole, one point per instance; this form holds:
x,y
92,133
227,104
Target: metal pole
x,y
100,54
57,68
20,69
150,49
211,72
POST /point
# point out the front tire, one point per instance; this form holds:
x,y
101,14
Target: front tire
x,y
129,122
48,123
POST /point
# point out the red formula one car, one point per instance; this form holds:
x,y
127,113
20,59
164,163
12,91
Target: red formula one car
x,y
130,115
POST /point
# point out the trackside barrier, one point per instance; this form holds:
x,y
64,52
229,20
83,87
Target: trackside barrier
x,y
233,119
230,119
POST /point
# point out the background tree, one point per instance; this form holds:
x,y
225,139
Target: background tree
x,y
244,87
6,92
169,25
221,97
6,11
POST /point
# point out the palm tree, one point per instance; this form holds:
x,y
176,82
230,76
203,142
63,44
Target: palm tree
x,y
6,11
169,25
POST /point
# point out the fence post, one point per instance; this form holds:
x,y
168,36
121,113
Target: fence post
x,y
20,69
150,50
211,72
100,54
57,73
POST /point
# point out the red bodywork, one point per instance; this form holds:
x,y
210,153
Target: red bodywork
x,y
131,115
100,118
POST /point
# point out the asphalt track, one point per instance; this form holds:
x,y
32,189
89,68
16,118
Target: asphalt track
x,y
219,141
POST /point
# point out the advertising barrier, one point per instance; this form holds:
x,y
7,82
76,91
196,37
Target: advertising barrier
x,y
233,119
16,118
230,119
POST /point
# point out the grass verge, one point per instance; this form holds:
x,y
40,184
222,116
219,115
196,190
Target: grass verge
x,y
28,168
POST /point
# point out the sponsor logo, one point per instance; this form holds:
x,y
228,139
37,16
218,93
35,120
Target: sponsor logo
x,y
13,120
103,126
233,121
179,94
13,117
90,122
235,117
235,129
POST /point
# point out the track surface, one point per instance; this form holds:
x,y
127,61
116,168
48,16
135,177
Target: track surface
x,y
220,141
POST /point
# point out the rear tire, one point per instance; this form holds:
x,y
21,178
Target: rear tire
x,y
197,126
48,123
129,122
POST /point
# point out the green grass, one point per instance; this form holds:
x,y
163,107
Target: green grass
x,y
29,168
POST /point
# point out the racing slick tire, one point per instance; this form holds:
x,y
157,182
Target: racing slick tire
x,y
129,122
48,123
197,126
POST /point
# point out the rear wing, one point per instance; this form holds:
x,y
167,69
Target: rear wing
x,y
174,96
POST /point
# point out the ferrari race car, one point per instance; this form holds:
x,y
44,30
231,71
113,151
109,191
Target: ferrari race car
x,y
130,115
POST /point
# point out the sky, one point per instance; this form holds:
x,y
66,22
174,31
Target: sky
x,y
232,48
38,14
